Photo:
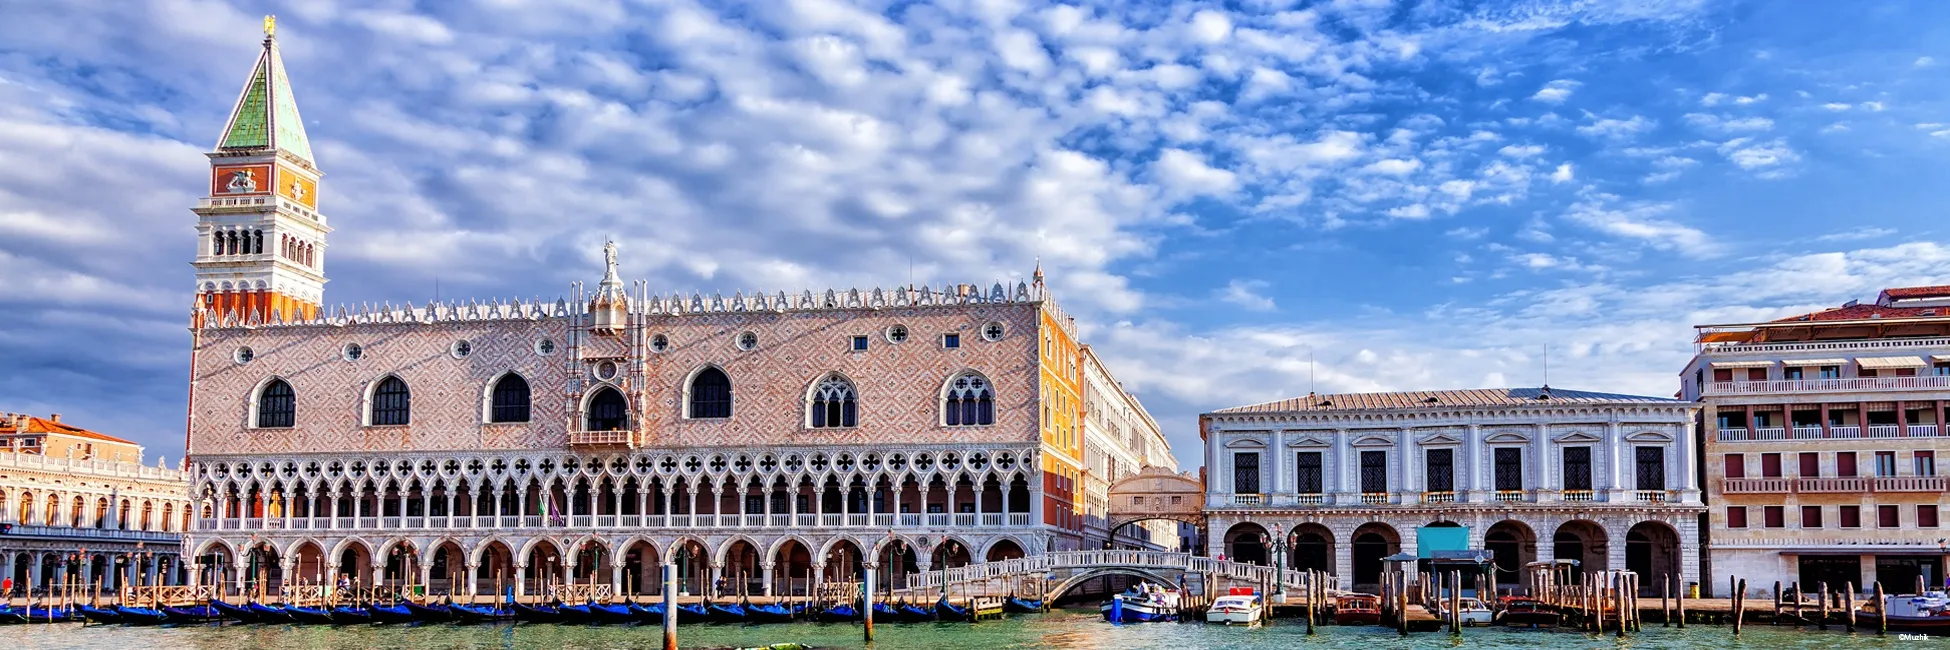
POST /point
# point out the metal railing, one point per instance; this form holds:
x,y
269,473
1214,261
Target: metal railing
x,y
1875,431
1836,385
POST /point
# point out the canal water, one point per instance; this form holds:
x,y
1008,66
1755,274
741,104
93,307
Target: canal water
x,y
1075,628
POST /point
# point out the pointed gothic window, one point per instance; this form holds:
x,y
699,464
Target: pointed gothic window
x,y
608,411
277,406
392,403
968,402
710,394
834,404
509,401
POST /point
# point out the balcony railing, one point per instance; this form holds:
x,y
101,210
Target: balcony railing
x,y
1827,346
1510,496
1374,498
1650,496
1577,495
1310,499
1880,431
1837,385
618,438
1832,484
1019,519
1438,497
1248,499
879,520
1909,484
1755,486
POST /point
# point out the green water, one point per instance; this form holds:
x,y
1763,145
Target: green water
x,y
1062,629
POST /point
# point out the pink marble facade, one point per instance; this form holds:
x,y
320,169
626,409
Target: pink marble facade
x,y
898,384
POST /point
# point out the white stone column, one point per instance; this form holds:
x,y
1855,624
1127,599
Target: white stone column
x,y
1403,468
1540,465
1344,467
472,580
1278,451
1473,463
1614,451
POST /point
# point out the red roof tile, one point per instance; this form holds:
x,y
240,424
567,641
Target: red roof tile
x,y
1863,312
44,425
1937,291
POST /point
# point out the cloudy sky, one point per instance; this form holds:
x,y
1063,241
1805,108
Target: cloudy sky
x,y
1410,194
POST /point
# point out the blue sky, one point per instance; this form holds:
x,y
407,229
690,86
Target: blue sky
x,y
1410,195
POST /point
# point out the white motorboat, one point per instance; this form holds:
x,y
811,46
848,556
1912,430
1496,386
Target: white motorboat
x,y
1473,612
1236,610
1143,603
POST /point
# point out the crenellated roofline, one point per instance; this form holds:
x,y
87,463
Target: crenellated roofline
x,y
643,305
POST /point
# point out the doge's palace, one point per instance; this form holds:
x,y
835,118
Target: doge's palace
x,y
765,442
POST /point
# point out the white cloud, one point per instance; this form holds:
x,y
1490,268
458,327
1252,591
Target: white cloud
x,y
1210,26
1556,92
1924,61
1872,106
1837,106
1394,166
1247,294
1726,124
1751,154
1716,99
1641,221
1525,151
1186,172
1617,129
1563,174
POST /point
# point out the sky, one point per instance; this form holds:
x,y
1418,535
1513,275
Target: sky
x,y
1238,201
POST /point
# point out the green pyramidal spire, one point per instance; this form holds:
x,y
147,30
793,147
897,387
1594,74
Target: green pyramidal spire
x,y
266,116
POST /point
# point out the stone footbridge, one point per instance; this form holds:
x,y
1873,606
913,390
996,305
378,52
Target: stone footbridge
x,y
1050,575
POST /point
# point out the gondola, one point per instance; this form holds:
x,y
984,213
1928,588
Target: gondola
x,y
574,614
48,614
612,614
886,613
536,613
234,612
692,613
723,614
647,614
351,615
102,616
1022,605
476,614
768,614
141,616
917,613
390,614
309,615
268,614
428,613
947,611
837,614
197,615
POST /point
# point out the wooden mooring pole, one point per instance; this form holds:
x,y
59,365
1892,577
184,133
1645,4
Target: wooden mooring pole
x,y
1739,604
1777,604
1679,603
1823,623
1848,604
1882,611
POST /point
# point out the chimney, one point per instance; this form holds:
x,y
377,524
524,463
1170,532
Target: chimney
x,y
54,417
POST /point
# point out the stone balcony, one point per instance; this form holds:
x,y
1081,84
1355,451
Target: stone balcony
x,y
1834,485
1837,385
1871,432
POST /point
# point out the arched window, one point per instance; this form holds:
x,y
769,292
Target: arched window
x,y
216,243
508,402
711,394
277,406
608,411
969,402
834,404
392,403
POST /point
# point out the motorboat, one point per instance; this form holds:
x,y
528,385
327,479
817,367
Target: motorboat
x,y
1519,612
1236,609
1142,603
1357,609
1926,612
1473,612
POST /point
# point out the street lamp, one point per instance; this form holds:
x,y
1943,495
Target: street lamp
x,y
895,557
1280,547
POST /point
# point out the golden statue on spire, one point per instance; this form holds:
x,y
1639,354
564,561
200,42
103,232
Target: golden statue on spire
x,y
270,25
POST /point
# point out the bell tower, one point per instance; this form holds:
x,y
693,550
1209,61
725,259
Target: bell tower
x,y
260,237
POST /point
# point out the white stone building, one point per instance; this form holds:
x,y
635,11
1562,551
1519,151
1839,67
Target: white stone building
x,y
78,507
1821,438
1533,474
1120,440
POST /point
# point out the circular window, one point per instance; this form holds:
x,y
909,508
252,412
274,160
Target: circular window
x,y
351,352
747,341
992,331
896,333
544,347
461,349
659,343
606,370
244,355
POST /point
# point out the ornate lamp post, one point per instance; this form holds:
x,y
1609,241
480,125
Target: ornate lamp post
x,y
683,563
1280,547
896,556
